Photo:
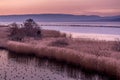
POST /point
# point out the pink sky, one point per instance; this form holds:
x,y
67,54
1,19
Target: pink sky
x,y
79,7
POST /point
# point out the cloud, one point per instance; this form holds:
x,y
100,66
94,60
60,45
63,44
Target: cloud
x,y
101,7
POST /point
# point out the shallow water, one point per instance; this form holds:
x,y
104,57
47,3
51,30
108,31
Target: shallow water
x,y
85,27
83,23
71,23
82,29
88,30
19,67
99,30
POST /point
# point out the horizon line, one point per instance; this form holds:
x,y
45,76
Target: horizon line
x,y
55,14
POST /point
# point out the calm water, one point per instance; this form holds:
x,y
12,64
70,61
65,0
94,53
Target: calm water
x,y
74,23
18,67
109,31
91,29
82,29
82,23
94,30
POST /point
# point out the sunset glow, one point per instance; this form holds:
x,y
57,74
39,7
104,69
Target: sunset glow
x,y
79,7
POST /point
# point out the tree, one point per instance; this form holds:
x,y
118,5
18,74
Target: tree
x,y
30,23
29,29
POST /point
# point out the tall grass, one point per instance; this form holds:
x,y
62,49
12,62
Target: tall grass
x,y
20,47
116,46
60,42
3,32
52,33
107,65
97,48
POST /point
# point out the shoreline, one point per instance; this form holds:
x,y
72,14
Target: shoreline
x,y
82,26
89,36
93,36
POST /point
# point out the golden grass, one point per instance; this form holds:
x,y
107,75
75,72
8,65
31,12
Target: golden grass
x,y
3,32
3,25
107,65
91,55
52,33
97,48
20,47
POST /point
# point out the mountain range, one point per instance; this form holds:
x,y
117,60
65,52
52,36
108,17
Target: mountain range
x,y
58,18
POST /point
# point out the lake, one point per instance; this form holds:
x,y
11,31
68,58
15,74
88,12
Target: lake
x,y
95,30
83,23
92,30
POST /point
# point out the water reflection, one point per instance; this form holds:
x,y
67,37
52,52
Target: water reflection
x,y
19,67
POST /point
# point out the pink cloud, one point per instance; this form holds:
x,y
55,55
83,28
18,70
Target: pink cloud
x,y
97,7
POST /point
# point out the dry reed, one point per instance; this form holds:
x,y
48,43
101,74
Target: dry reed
x,y
107,65
20,47
52,33
97,48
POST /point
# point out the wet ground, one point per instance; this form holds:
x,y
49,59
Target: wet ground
x,y
19,67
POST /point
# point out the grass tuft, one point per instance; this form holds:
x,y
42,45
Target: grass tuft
x,y
107,65
116,46
61,42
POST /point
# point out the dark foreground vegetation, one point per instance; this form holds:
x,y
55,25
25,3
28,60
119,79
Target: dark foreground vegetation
x,y
18,32
28,29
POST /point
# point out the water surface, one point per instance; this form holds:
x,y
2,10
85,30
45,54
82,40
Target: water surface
x,y
82,29
95,30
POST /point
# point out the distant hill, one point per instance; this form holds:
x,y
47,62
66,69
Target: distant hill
x,y
57,18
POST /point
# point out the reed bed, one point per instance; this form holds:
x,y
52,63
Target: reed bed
x,y
3,32
20,47
97,48
106,65
52,33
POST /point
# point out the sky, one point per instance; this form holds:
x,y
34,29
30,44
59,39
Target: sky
x,y
77,7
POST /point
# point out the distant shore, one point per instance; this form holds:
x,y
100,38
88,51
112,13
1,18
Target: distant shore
x,y
79,25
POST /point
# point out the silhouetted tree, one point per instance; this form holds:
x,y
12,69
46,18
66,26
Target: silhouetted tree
x,y
29,29
30,23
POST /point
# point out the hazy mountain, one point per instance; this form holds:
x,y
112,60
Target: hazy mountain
x,y
57,18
